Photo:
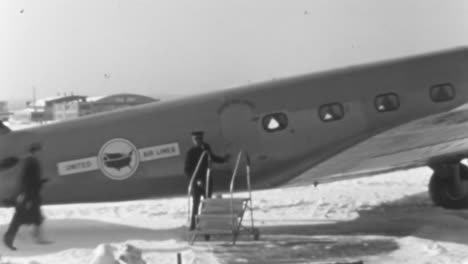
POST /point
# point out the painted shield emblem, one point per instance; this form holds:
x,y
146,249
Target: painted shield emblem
x,y
118,159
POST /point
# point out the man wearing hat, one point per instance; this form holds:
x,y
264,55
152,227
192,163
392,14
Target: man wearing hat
x,y
199,182
28,202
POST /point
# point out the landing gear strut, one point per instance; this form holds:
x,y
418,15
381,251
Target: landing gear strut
x,y
448,186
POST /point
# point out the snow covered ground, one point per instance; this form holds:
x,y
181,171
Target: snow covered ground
x,y
14,124
382,219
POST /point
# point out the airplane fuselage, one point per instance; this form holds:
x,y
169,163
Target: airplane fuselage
x,y
286,126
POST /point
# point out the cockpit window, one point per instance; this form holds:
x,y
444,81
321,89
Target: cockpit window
x,y
442,92
331,112
275,122
387,102
8,163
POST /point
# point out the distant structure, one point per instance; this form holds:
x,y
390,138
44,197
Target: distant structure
x,y
4,113
42,110
62,108
73,106
113,102
82,106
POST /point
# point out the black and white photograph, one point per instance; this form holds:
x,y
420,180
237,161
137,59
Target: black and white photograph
x,y
233,131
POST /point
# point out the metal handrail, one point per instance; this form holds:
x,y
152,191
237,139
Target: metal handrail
x,y
234,173
249,187
189,191
208,175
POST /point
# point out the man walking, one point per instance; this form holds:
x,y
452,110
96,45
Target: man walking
x,y
200,181
28,202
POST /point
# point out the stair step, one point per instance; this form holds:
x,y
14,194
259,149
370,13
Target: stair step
x,y
217,222
223,206
224,201
208,231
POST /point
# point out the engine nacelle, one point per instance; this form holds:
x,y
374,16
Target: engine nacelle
x,y
448,186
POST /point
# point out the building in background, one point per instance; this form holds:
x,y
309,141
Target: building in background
x,y
113,102
73,106
4,113
63,108
37,111
82,106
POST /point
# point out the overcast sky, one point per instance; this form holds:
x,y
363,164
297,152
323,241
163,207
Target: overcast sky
x,y
168,47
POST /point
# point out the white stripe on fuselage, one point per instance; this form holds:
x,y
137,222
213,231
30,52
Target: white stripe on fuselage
x,y
71,167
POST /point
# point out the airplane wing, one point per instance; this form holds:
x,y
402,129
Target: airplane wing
x,y
412,145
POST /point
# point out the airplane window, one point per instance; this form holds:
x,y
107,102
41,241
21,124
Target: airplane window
x,y
275,122
442,92
331,112
387,102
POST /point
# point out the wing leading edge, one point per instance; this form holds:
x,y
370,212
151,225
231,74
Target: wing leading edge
x,y
415,144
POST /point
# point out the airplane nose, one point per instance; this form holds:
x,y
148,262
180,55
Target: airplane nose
x,y
8,162
9,167
13,146
9,171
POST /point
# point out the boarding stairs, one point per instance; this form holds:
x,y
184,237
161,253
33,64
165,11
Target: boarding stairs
x,y
223,216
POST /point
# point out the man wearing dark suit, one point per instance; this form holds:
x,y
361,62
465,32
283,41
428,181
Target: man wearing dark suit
x,y
199,182
28,202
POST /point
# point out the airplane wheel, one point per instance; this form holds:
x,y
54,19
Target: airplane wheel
x,y
441,189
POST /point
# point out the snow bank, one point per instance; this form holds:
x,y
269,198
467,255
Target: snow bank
x,y
383,219
104,254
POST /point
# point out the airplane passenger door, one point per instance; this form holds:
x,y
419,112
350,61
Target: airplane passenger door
x,y
239,129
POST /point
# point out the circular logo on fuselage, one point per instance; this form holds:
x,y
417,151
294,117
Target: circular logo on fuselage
x,y
118,159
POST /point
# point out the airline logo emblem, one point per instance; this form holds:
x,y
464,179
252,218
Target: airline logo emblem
x,y
118,159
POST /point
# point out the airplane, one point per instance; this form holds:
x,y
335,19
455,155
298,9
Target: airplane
x,y
310,129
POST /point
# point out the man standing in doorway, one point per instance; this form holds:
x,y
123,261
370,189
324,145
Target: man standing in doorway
x,y
28,202
200,181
